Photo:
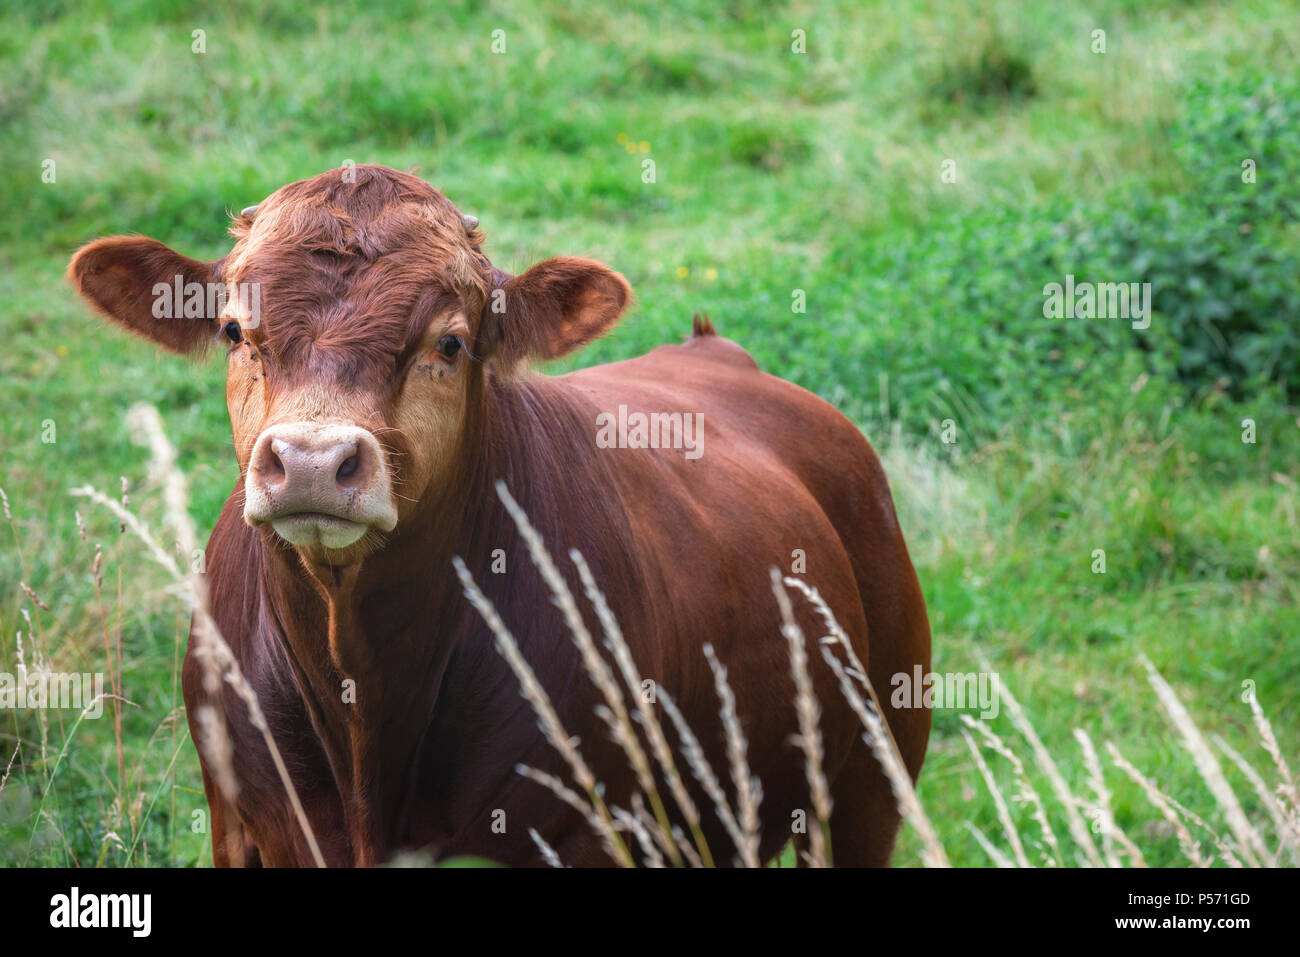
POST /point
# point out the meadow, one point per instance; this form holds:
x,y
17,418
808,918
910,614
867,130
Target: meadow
x,y
874,218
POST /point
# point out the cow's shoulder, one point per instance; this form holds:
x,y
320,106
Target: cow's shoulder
x,y
702,359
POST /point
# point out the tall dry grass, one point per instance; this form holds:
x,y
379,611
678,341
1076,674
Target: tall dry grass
x,y
643,832
218,661
1254,843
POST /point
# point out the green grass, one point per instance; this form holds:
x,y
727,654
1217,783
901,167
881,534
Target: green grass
x,y
775,172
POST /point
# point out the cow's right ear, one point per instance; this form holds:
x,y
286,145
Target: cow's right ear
x,y
142,285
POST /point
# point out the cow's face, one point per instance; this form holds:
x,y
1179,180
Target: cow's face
x,y
358,317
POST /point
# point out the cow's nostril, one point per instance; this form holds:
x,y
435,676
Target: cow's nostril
x,y
271,462
349,467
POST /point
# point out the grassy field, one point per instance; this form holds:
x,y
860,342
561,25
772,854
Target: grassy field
x,y
1016,445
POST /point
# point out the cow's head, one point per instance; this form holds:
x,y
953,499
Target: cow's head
x,y
357,315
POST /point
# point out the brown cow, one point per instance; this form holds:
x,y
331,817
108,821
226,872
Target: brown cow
x,y
377,390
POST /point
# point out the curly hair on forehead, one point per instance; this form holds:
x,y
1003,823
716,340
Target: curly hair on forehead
x,y
363,213
353,264
348,256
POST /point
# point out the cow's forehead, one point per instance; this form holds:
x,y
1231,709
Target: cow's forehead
x,y
358,215
361,192
348,270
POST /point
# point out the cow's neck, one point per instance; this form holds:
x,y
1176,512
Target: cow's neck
x,y
392,622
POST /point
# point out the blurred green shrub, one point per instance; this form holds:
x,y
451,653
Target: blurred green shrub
x,y
995,69
1222,256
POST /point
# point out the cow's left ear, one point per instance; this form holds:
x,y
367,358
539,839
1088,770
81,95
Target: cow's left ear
x,y
552,309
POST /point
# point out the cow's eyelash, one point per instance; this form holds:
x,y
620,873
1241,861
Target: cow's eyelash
x,y
462,348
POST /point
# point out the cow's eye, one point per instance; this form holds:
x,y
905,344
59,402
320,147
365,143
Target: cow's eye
x,y
448,346
232,332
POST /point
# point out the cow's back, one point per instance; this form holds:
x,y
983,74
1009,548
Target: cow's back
x,y
782,480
